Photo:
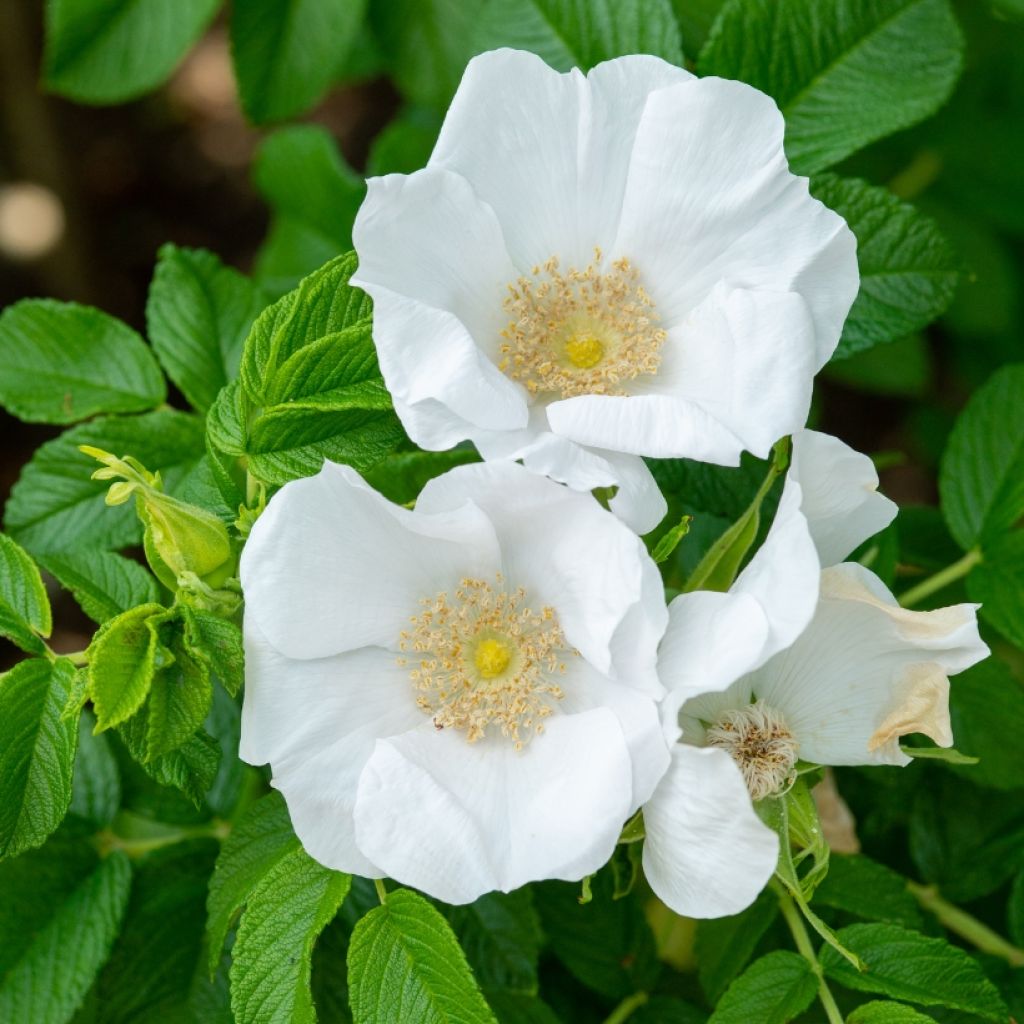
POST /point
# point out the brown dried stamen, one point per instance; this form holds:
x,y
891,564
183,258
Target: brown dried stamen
x,y
759,741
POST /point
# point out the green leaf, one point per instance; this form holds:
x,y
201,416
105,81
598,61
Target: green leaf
x,y
24,607
96,784
37,755
314,194
108,51
948,755
219,643
61,914
519,1008
724,946
260,840
404,963
310,368
56,507
286,51
908,271
669,540
571,33
997,583
864,887
104,583
772,990
122,664
405,144
844,73
191,768
500,935
878,1012
981,480
906,965
271,960
1015,911
198,314
64,362
401,476
667,1010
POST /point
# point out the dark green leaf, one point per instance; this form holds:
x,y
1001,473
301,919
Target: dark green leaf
x,y
219,643
843,73
64,362
772,990
107,51
271,960
401,477
908,271
96,784
1015,911
667,1010
724,946
864,887
405,144
104,583
37,754
198,315
404,963
877,1012
997,584
24,606
907,965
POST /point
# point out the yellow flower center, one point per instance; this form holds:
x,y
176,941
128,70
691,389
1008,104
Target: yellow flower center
x,y
480,657
581,332
759,741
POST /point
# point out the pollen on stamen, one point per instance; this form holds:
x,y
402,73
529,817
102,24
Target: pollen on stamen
x,y
760,742
480,657
580,332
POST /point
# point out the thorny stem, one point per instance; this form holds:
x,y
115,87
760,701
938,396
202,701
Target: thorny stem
x,y
382,893
625,1009
803,945
961,923
959,569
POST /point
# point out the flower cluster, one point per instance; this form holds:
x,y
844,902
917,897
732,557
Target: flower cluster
x,y
479,691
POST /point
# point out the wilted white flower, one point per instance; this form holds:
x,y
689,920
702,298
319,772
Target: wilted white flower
x,y
462,697
847,674
593,268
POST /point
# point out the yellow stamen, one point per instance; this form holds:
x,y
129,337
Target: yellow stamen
x,y
492,657
584,351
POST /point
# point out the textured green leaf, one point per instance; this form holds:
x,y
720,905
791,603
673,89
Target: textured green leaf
x,y
772,990
404,963
96,784
314,195
500,935
219,643
877,1012
104,583
843,73
580,33
864,887
997,584
908,271
64,362
37,754
191,768
198,315
55,507
982,475
56,932
906,965
262,838
286,51
107,51
24,606
724,946
272,955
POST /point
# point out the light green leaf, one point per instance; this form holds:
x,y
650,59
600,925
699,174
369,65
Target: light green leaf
x,y
96,785
107,51
314,195
864,887
37,755
122,664
997,583
64,362
948,755
580,33
401,476
56,507
981,480
191,768
843,73
56,930
24,607
724,946
906,965
271,960
772,990
286,51
908,271
260,840
219,643
198,314
878,1012
104,583
404,963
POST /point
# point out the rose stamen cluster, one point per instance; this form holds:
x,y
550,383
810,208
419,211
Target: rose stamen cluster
x,y
485,658
757,738
581,332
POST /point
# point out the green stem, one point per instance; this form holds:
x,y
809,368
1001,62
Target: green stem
x,y
961,923
806,950
107,841
382,893
625,1009
952,573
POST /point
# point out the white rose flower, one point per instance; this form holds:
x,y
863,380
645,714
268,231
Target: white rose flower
x,y
594,268
462,697
841,672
